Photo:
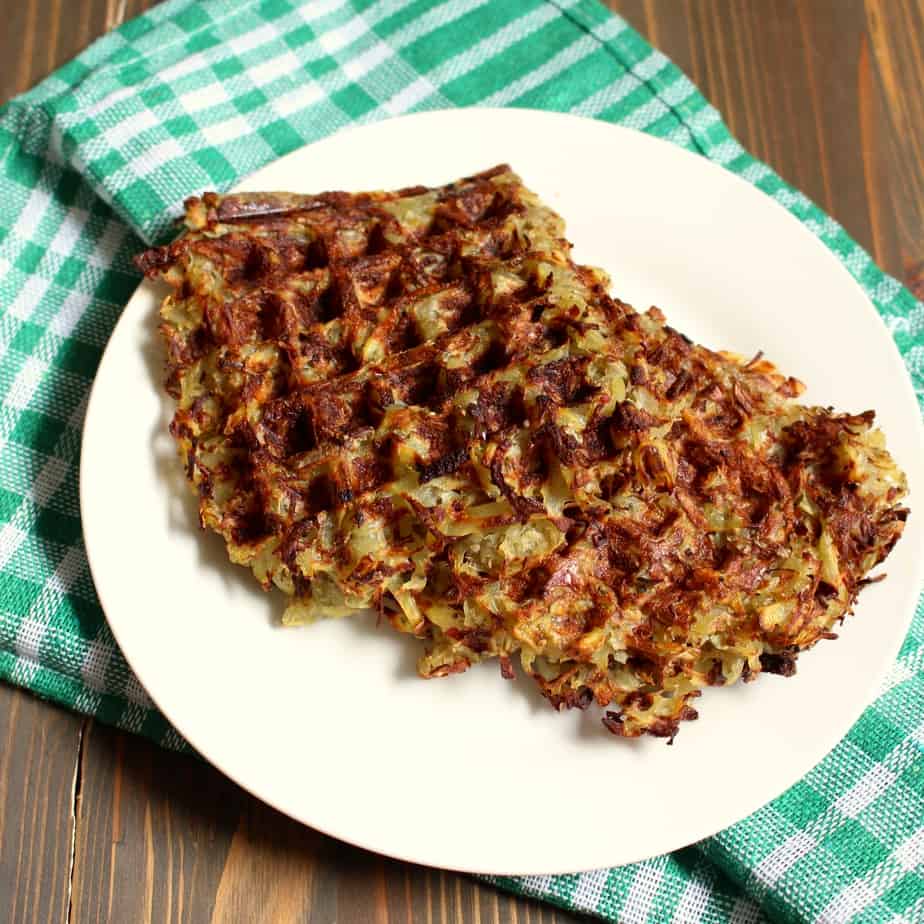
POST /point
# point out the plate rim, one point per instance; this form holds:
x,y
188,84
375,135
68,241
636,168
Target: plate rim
x,y
830,740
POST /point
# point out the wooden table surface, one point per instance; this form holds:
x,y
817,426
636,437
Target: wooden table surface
x,y
96,825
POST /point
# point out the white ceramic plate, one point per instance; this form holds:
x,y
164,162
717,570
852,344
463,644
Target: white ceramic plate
x,y
329,723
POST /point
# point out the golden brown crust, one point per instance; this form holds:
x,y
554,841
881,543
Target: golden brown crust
x,y
417,402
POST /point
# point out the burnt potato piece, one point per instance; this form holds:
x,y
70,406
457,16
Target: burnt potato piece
x,y
416,402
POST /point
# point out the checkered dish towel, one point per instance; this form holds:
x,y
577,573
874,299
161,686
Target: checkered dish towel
x,y
195,95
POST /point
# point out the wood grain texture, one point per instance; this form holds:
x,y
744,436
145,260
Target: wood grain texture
x,y
39,35
165,838
892,87
830,93
39,752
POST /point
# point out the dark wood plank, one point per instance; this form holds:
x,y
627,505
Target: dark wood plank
x,y
39,747
164,837
892,87
828,92
40,35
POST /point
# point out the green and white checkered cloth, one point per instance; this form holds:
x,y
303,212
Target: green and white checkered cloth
x,y
195,95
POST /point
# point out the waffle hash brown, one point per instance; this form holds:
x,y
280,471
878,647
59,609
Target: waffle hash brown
x,y
416,402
